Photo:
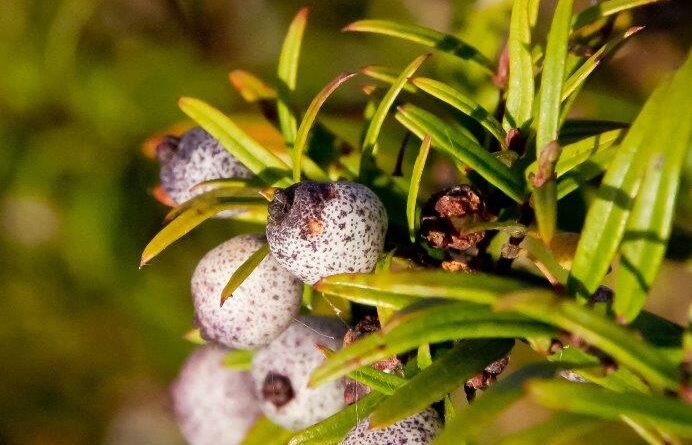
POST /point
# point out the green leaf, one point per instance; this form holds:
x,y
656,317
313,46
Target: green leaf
x,y
577,79
399,289
665,412
301,138
266,432
445,374
470,423
575,153
193,216
243,271
377,120
333,429
623,345
287,73
607,215
545,192
432,322
262,162
414,186
424,36
574,129
463,103
386,75
605,9
558,429
587,170
463,149
649,225
380,381
240,359
520,88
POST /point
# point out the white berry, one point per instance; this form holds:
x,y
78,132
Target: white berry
x,y
419,429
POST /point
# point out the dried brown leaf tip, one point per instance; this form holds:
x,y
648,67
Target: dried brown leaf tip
x,y
448,218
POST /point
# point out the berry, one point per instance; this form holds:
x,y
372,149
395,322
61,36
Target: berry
x,y
193,158
259,309
419,429
320,229
213,405
281,372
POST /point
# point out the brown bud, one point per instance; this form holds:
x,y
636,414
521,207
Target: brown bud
x,y
447,214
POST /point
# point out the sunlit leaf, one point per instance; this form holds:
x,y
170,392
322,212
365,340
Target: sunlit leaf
x,y
387,75
306,124
520,88
416,175
622,344
251,88
649,225
424,36
266,432
666,412
287,73
462,149
607,215
378,117
548,120
243,271
586,171
558,429
605,9
334,428
380,381
238,359
262,162
462,103
446,373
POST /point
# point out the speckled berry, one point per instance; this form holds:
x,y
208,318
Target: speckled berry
x,y
419,429
281,372
320,229
259,309
193,158
213,405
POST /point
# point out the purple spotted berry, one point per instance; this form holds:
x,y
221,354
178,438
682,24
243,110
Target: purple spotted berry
x,y
419,429
281,372
260,308
213,405
193,158
320,229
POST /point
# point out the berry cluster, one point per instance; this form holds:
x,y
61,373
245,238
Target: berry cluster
x,y
313,230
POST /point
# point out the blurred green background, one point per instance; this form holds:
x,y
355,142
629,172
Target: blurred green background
x,y
89,343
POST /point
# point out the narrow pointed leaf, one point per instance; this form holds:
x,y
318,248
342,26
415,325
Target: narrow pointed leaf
x,y
424,36
462,149
665,412
421,283
414,187
520,88
333,429
244,271
470,423
287,73
432,323
240,359
266,432
608,214
191,218
306,124
251,88
586,171
624,345
377,380
575,129
575,153
560,428
262,162
215,196
462,103
577,79
649,225
606,9
377,120
445,374
386,75
545,192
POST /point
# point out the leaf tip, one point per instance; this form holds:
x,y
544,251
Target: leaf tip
x,y
268,193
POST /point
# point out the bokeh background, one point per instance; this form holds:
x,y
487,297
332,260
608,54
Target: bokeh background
x,y
89,343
